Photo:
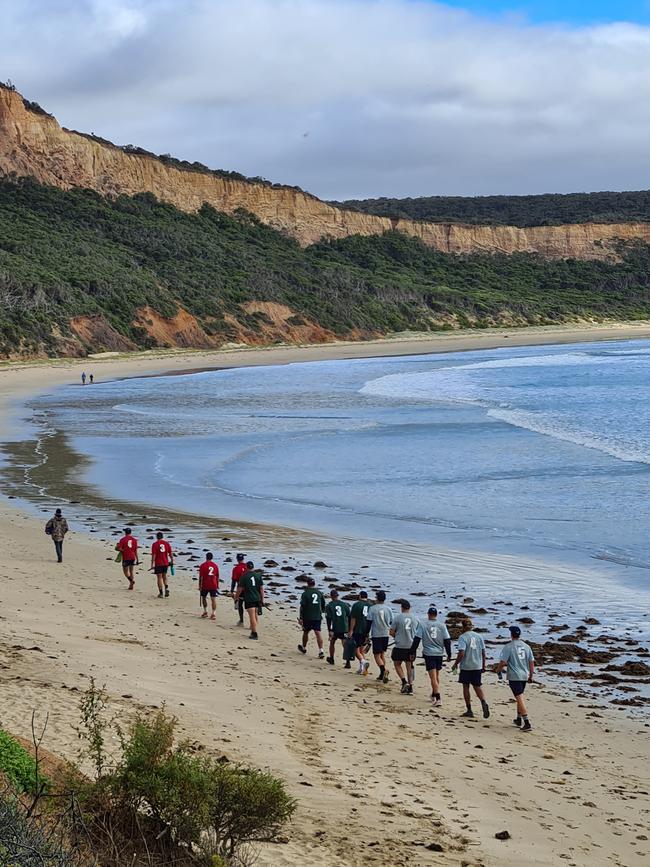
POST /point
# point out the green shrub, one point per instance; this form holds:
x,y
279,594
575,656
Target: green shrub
x,y
18,765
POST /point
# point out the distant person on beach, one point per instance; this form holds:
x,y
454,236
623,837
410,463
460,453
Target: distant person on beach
x,y
403,631
92,378
337,615
312,608
436,642
251,590
128,548
380,616
162,559
518,658
471,659
358,631
209,585
240,568
83,378
57,527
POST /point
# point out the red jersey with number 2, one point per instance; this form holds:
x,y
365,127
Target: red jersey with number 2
x,y
162,552
209,575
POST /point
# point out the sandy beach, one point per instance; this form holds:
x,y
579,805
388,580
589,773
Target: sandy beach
x,y
381,778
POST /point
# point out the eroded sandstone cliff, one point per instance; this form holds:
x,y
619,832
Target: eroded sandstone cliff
x,y
33,144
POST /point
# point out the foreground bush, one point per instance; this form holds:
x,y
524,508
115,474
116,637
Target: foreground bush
x,y
24,842
18,766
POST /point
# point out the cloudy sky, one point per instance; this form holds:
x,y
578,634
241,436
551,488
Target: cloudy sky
x,y
353,98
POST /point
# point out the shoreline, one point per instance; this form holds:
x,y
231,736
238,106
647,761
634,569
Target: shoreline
x,y
379,780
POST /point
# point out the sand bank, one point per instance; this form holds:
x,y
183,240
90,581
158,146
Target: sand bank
x,y
380,776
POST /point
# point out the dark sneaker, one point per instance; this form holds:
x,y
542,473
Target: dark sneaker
x,y
527,726
302,649
160,595
404,688
379,678
409,689
348,664
385,677
253,635
166,592
330,660
469,714
486,710
517,721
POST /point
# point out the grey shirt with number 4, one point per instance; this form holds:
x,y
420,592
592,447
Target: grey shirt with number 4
x,y
404,626
381,619
518,655
473,647
433,635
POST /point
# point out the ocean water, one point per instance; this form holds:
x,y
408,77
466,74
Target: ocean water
x,y
543,451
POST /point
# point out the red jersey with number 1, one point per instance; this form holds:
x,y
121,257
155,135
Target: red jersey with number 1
x,y
128,545
162,552
209,575
239,570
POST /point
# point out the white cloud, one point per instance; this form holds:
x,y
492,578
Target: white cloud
x,y
397,97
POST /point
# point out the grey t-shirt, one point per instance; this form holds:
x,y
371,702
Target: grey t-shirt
x,y
473,646
518,655
404,626
381,618
433,635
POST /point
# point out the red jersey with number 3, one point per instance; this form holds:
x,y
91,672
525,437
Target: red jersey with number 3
x,y
128,545
162,552
209,575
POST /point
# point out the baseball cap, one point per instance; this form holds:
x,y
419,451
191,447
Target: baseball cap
x,y
515,631
240,557
432,609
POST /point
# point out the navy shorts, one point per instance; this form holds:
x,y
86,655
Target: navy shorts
x,y
160,570
211,593
312,625
401,654
128,562
359,639
340,636
517,686
380,645
433,663
470,676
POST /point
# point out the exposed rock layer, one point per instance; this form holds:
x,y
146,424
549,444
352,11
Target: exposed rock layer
x,y
34,145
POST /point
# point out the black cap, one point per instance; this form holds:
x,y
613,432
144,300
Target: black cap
x,y
515,631
58,512
363,594
240,557
432,609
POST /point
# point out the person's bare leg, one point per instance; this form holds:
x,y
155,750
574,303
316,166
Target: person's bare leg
x,y
204,603
214,608
319,641
399,670
161,583
252,618
305,638
409,672
332,647
467,697
521,706
479,693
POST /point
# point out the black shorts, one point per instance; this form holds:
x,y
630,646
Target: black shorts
x,y
359,639
312,625
248,604
433,663
211,593
160,570
517,686
470,676
128,562
380,645
401,654
340,636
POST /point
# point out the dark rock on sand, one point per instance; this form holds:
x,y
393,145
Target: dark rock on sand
x,y
320,565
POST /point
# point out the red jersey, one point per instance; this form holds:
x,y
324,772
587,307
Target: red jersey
x,y
161,551
238,570
209,575
128,545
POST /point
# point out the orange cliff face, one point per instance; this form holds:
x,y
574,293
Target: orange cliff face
x,y
34,145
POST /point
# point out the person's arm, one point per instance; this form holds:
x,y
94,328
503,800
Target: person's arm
x,y
531,669
200,579
64,527
322,603
484,660
447,642
261,592
328,619
171,554
459,655
301,610
238,592
353,623
151,567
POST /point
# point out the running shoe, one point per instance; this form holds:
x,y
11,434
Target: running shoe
x,y
469,714
347,665
486,710
366,667
527,726
404,688
409,689
166,592
517,721
321,655
302,649
385,677
330,660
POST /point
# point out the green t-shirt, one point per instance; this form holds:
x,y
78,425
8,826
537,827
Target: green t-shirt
x,y
359,613
312,604
250,584
338,616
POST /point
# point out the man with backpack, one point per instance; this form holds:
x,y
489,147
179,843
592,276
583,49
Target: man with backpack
x,y
56,528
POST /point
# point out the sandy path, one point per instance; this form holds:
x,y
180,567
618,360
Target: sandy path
x,y
379,776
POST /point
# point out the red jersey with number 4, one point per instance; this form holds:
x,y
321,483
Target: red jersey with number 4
x,y
239,570
128,545
209,575
162,552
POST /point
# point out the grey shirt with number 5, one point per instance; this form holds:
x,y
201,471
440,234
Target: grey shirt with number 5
x,y
518,655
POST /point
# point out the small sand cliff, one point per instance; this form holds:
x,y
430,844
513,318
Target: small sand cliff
x,y
33,144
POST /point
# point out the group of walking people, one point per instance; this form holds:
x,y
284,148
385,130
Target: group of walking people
x,y
360,628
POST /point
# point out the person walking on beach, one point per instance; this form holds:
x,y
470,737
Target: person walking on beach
x,y
128,548
380,616
403,631
57,527
312,607
251,590
471,659
518,658
162,559
358,631
209,585
91,378
83,378
435,642
337,615
239,569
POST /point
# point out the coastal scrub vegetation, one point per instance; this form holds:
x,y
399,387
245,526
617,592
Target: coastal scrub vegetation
x,y
73,253
158,802
547,209
18,766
